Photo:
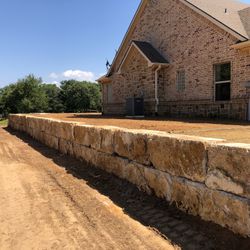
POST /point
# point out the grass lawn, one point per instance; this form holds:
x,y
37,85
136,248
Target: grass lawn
x,y
3,123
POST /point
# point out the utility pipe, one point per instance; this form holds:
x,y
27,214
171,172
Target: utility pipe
x,y
156,88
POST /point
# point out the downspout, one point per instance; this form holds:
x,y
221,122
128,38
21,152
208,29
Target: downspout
x,y
156,89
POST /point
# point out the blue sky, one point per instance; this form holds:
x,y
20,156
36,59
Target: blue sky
x,y
61,39
52,38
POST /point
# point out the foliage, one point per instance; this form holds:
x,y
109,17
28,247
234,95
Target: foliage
x,y
80,96
52,92
30,95
26,96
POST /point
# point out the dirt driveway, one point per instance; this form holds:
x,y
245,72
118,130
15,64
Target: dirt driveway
x,y
50,201
43,207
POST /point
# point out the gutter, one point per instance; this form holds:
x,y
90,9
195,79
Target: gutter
x,y
241,45
156,88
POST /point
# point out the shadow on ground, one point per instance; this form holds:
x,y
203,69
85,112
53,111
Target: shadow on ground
x,y
184,230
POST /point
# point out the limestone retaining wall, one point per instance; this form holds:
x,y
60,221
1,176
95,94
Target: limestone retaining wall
x,y
205,177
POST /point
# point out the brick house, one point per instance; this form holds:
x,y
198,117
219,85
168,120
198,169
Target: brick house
x,y
185,58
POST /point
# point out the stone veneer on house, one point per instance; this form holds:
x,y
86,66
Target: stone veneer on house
x,y
190,42
205,177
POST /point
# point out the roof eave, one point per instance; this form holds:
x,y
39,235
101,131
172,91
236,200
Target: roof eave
x,y
242,45
215,21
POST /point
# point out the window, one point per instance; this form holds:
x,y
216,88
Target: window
x,y
109,93
180,80
222,82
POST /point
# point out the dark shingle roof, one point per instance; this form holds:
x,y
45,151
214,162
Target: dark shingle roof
x,y
150,52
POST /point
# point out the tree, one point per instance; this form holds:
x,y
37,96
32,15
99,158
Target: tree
x,y
30,95
80,96
52,92
26,96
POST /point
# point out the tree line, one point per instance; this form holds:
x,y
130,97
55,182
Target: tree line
x,y
31,95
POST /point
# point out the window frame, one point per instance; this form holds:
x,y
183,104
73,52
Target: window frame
x,y
222,82
181,86
109,87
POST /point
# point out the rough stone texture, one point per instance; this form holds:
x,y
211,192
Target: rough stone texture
x,y
134,173
234,161
51,141
179,157
166,24
188,171
187,195
111,164
107,139
159,182
131,145
218,180
227,210
65,147
88,136
66,131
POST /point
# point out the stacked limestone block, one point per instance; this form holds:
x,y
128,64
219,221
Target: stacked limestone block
x,y
205,177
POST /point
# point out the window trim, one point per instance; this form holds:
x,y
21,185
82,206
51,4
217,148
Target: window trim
x,y
221,82
183,85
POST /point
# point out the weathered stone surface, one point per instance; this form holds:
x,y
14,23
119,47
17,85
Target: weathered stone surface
x,y
178,156
132,145
218,180
112,164
187,195
159,182
65,147
51,141
227,210
87,135
234,161
55,127
107,139
134,173
66,131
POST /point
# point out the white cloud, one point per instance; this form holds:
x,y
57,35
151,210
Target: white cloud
x,y
79,75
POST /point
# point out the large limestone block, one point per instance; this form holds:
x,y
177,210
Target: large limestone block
x,y
219,181
45,125
179,156
66,131
21,123
132,145
111,164
88,155
51,141
134,173
55,128
87,135
159,182
65,147
107,139
233,160
187,195
226,210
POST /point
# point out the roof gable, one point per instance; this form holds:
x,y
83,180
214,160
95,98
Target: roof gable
x,y
230,20
152,56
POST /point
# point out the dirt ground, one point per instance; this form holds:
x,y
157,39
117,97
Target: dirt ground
x,y
228,130
51,201
44,207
